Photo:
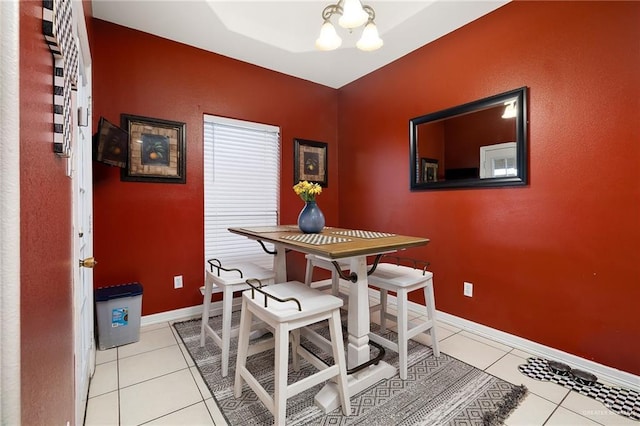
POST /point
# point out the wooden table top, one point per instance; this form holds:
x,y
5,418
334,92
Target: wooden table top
x,y
333,243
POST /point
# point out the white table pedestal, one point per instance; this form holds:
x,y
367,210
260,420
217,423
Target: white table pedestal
x,y
328,399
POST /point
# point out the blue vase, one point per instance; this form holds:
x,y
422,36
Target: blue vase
x,y
311,219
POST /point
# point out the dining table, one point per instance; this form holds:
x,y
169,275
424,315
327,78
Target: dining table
x,y
341,246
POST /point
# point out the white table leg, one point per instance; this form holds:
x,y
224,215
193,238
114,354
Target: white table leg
x,y
358,322
328,399
280,264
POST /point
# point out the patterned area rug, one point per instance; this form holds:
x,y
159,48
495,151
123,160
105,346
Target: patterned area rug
x,y
438,391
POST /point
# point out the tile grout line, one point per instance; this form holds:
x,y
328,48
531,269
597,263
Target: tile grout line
x,y
168,414
118,382
498,360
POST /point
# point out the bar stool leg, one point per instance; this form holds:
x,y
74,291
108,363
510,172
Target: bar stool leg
x,y
403,325
335,283
206,307
243,346
383,310
295,344
281,334
335,332
227,302
308,275
430,302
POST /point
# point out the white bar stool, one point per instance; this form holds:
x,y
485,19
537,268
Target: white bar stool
x,y
228,278
402,280
325,263
274,305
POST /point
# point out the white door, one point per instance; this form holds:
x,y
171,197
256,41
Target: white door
x,y
84,353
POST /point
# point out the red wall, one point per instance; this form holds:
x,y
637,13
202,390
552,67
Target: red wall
x,y
149,232
557,261
46,311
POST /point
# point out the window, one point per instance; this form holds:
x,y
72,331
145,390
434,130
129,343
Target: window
x,y
241,186
498,160
504,167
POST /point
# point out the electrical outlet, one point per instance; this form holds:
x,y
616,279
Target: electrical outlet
x,y
468,289
177,281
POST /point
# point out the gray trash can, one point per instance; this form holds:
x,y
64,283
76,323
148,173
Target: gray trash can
x,y
118,311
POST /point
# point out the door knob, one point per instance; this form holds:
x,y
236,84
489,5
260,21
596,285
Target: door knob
x,y
89,262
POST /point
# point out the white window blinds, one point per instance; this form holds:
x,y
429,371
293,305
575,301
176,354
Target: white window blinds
x,y
241,186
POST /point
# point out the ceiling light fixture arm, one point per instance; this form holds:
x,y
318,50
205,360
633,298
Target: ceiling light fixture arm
x,y
370,12
331,10
336,9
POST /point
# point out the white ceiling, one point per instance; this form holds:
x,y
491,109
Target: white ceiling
x,y
280,35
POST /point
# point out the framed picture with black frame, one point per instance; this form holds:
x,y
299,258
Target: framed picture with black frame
x,y
156,150
429,168
310,162
111,144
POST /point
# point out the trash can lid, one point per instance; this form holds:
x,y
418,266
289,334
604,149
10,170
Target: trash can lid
x,y
116,291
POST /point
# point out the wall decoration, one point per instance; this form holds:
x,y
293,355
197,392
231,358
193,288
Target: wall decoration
x,y
111,144
310,162
156,150
57,28
429,167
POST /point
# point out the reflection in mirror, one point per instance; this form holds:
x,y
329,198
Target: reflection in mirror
x,y
479,144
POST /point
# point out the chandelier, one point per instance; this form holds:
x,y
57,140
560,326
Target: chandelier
x,y
353,14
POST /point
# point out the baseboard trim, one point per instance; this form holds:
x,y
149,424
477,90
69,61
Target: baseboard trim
x,y
186,313
603,372
170,316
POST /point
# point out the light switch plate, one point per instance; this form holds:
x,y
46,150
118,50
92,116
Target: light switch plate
x,y
468,289
177,281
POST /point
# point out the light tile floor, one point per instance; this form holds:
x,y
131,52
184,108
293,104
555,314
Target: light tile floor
x,y
155,382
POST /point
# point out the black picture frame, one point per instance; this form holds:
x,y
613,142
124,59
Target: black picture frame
x,y
157,151
111,144
310,162
429,167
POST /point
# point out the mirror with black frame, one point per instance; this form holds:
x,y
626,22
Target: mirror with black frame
x,y
478,144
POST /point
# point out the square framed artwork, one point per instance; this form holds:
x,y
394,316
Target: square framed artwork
x,y
111,144
156,150
429,169
310,162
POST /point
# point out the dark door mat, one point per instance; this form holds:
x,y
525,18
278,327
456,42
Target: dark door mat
x,y
623,401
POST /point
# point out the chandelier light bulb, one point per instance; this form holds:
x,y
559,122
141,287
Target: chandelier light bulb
x,y
370,39
329,38
353,15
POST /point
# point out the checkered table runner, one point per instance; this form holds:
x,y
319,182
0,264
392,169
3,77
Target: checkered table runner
x,y
315,239
57,27
363,234
625,402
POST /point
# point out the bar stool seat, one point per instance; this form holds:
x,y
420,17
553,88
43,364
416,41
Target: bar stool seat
x,y
275,306
229,278
402,280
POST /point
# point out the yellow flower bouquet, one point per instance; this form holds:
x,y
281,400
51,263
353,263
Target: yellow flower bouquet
x,y
307,190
